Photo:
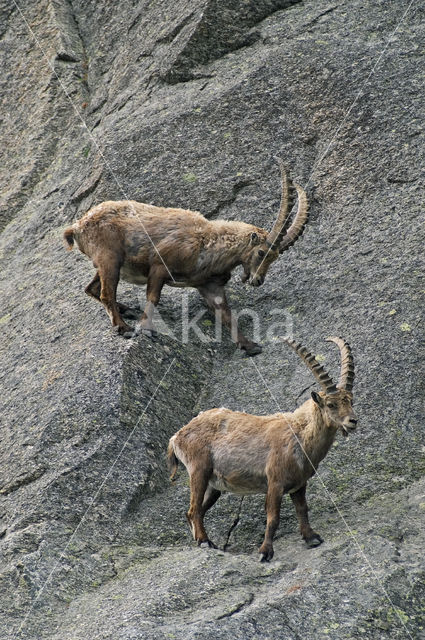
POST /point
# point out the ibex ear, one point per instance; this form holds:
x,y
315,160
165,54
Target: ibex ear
x,y
255,239
317,399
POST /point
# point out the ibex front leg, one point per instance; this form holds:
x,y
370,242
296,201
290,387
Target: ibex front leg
x,y
156,280
311,537
273,502
215,297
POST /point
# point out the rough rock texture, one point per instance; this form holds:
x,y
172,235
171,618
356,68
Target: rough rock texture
x,y
185,104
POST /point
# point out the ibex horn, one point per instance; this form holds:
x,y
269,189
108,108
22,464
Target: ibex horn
x,y
316,368
346,376
297,227
286,201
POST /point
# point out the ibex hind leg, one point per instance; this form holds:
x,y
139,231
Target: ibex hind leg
x,y
200,501
109,272
93,290
158,275
210,498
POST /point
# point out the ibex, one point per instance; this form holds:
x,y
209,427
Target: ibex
x,y
225,450
144,244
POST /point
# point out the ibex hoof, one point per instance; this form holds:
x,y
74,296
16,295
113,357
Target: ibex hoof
x,y
150,333
313,541
131,314
266,556
123,330
253,349
207,543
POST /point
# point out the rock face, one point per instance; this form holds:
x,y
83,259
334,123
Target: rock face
x,y
184,104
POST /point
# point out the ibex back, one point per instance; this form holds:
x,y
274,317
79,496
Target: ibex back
x,y
150,245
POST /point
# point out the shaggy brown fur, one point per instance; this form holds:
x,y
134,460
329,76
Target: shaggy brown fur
x,y
226,450
150,245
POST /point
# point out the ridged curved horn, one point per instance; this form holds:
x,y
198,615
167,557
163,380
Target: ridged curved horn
x,y
317,369
297,227
346,377
286,202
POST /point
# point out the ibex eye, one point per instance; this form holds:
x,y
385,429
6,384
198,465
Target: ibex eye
x,y
261,253
331,405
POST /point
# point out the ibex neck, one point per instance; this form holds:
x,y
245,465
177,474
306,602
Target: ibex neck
x,y
228,241
316,437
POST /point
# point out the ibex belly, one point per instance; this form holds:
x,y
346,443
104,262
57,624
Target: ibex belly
x,y
133,275
239,469
136,277
181,284
242,484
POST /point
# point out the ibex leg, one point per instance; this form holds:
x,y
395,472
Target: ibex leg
x,y
109,273
273,502
156,280
210,498
215,297
311,537
93,290
198,500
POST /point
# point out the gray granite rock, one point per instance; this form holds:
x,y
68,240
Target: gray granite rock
x,y
185,104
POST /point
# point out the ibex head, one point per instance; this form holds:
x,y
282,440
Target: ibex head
x,y
335,401
265,250
259,260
